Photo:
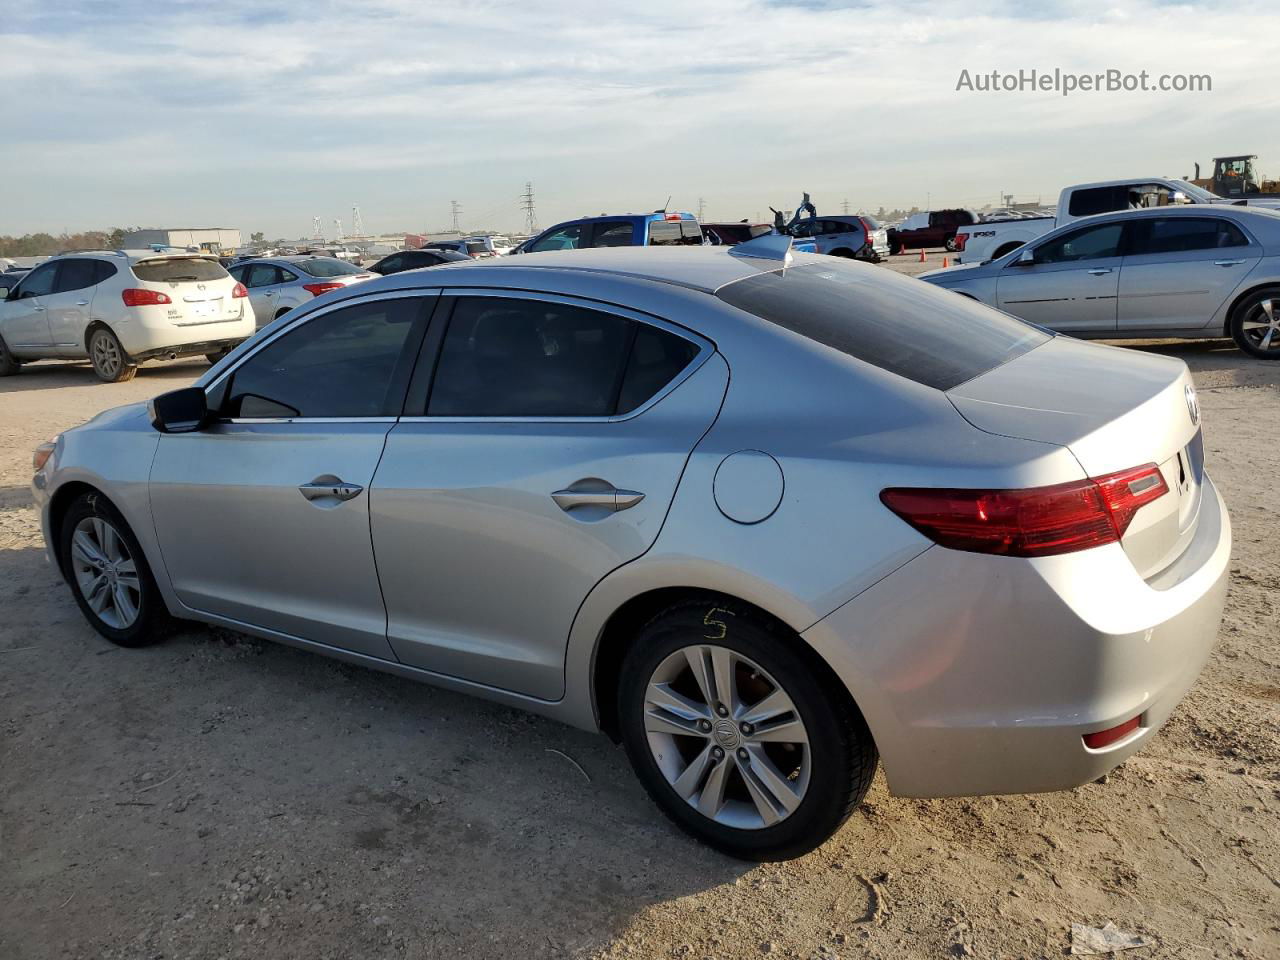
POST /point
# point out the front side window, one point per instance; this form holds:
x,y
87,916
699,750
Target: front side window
x,y
392,264
39,282
620,234
566,238
346,363
1182,234
506,357
263,275
1091,243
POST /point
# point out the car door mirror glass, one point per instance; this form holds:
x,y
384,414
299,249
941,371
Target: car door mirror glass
x,y
179,411
1025,259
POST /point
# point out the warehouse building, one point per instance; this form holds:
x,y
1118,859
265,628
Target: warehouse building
x,y
222,240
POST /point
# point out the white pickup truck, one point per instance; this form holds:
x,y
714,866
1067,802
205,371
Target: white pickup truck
x,y
991,240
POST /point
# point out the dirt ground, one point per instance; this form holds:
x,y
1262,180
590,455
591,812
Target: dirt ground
x,y
222,797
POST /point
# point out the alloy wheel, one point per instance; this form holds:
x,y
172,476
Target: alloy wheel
x,y
727,737
105,573
106,355
1262,326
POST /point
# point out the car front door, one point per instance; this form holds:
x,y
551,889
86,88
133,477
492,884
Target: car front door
x,y
1178,271
69,306
1070,282
546,456
263,517
24,318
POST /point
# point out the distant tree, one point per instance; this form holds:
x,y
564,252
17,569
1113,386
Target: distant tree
x,y
257,237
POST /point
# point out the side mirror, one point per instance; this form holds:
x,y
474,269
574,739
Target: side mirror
x,y
179,411
1025,259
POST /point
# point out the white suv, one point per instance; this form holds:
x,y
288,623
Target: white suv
x,y
118,308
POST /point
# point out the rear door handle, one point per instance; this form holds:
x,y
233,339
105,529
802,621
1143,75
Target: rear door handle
x,y
596,493
38,309
1227,263
82,303
329,488
1099,271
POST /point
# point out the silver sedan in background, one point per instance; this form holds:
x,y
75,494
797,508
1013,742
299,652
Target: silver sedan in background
x,y
765,519
277,285
1190,272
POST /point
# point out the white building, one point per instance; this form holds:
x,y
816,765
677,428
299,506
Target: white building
x,y
206,239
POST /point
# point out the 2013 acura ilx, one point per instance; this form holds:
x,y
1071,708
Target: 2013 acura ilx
x,y
764,518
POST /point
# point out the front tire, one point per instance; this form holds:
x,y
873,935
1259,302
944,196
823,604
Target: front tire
x,y
110,362
735,731
9,365
1255,324
109,575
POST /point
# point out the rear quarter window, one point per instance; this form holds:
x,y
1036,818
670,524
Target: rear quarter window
x,y
179,270
914,330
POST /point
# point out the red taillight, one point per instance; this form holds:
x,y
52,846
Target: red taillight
x,y
239,291
1039,522
315,289
961,240
134,297
866,226
1104,738
671,216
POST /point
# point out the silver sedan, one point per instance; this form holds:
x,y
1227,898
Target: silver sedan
x,y
277,285
765,519
1192,272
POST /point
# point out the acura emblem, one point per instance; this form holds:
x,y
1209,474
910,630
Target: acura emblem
x,y
1193,405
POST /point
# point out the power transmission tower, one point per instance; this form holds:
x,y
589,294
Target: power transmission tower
x,y
337,226
845,206
457,210
357,225
702,209
526,204
317,231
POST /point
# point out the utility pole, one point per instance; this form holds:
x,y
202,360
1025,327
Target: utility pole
x,y
526,204
457,210
702,209
337,226
844,205
357,225
317,232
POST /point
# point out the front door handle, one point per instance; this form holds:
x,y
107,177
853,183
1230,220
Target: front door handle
x,y
1099,271
82,303
329,488
592,492
38,309
1227,263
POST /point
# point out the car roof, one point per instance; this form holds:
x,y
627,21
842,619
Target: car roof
x,y
696,268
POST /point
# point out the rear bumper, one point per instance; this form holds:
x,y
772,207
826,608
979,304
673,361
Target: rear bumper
x,y
981,674
189,349
148,335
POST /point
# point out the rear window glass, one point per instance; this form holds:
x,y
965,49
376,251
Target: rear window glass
x,y
915,330
327,267
178,270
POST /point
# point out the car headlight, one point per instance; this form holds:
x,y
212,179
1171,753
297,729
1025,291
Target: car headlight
x,y
42,454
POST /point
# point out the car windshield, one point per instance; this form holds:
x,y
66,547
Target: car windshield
x,y
915,330
1199,194
326,267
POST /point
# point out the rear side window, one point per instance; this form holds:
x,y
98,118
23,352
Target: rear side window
x,y
1182,234
621,234
530,358
103,271
347,363
179,270
327,267
76,274
914,330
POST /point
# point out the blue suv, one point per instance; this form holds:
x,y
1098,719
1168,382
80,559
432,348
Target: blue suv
x,y
624,230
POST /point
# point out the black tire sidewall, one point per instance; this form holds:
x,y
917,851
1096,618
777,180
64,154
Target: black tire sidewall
x,y
842,755
9,365
152,615
1242,313
127,367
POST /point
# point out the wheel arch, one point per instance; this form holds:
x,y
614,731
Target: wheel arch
x,y
89,331
59,503
1230,315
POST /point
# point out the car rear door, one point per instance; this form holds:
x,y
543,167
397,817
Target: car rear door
x,y
1178,271
518,485
263,517
1071,283
69,306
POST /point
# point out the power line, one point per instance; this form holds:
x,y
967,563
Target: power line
x,y
457,210
526,204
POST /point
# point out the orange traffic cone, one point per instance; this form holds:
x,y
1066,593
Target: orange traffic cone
x,y
922,258
945,264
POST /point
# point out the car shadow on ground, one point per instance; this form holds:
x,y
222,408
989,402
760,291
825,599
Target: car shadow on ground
x,y
54,375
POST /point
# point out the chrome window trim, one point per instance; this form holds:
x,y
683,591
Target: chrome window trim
x,y
260,420
705,350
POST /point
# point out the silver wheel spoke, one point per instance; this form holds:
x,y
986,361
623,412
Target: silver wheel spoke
x,y
711,800
655,722
85,550
788,731
697,657
723,674
1266,341
1269,308
774,706
98,596
124,604
769,788
1255,325
661,695
688,782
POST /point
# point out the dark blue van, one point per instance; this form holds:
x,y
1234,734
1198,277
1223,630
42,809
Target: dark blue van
x,y
624,230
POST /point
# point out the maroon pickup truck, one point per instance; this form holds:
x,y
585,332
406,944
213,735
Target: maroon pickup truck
x,y
936,228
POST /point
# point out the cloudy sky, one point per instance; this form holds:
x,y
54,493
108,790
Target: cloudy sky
x,y
260,115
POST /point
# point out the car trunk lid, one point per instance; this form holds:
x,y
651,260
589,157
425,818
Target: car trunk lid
x,y
1113,409
198,288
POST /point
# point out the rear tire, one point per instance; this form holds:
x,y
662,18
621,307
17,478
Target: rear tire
x,y
110,362
1255,324
950,244
109,575
767,772
9,365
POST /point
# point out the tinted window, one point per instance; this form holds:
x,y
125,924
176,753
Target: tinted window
x,y
391,264
239,272
656,357
911,329
1086,203
1179,234
566,238
528,358
665,233
39,281
1089,243
691,232
327,267
76,274
103,270
347,363
285,276
262,275
871,223
178,270
614,235
804,228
